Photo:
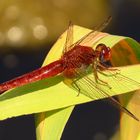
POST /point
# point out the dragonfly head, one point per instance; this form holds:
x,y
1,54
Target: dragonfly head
x,y
104,52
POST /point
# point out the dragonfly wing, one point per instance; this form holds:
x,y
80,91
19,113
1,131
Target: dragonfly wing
x,y
86,38
87,86
91,35
69,38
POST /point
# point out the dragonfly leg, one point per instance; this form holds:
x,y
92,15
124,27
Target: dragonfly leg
x,y
106,67
108,74
97,79
76,86
102,67
104,83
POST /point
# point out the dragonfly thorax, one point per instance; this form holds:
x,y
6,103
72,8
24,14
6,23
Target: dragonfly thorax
x,y
77,60
78,56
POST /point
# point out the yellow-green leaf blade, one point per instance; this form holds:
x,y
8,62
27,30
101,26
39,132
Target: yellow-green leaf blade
x,y
50,124
44,96
49,98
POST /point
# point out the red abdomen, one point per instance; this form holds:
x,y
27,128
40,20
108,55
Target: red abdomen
x,y
50,70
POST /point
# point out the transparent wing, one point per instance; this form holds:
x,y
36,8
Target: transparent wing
x,y
69,37
85,39
85,84
93,33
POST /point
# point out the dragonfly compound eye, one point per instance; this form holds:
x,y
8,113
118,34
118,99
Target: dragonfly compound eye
x,y
104,52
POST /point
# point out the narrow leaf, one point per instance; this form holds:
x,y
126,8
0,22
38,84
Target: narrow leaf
x,y
52,95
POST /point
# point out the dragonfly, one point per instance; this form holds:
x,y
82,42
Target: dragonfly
x,y
75,60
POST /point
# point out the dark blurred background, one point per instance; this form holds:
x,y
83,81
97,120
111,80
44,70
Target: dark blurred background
x,y
29,28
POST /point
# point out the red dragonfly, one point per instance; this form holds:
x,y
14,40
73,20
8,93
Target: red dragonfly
x,y
76,58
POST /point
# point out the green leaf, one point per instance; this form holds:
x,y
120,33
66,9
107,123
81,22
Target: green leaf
x,y
50,125
56,99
